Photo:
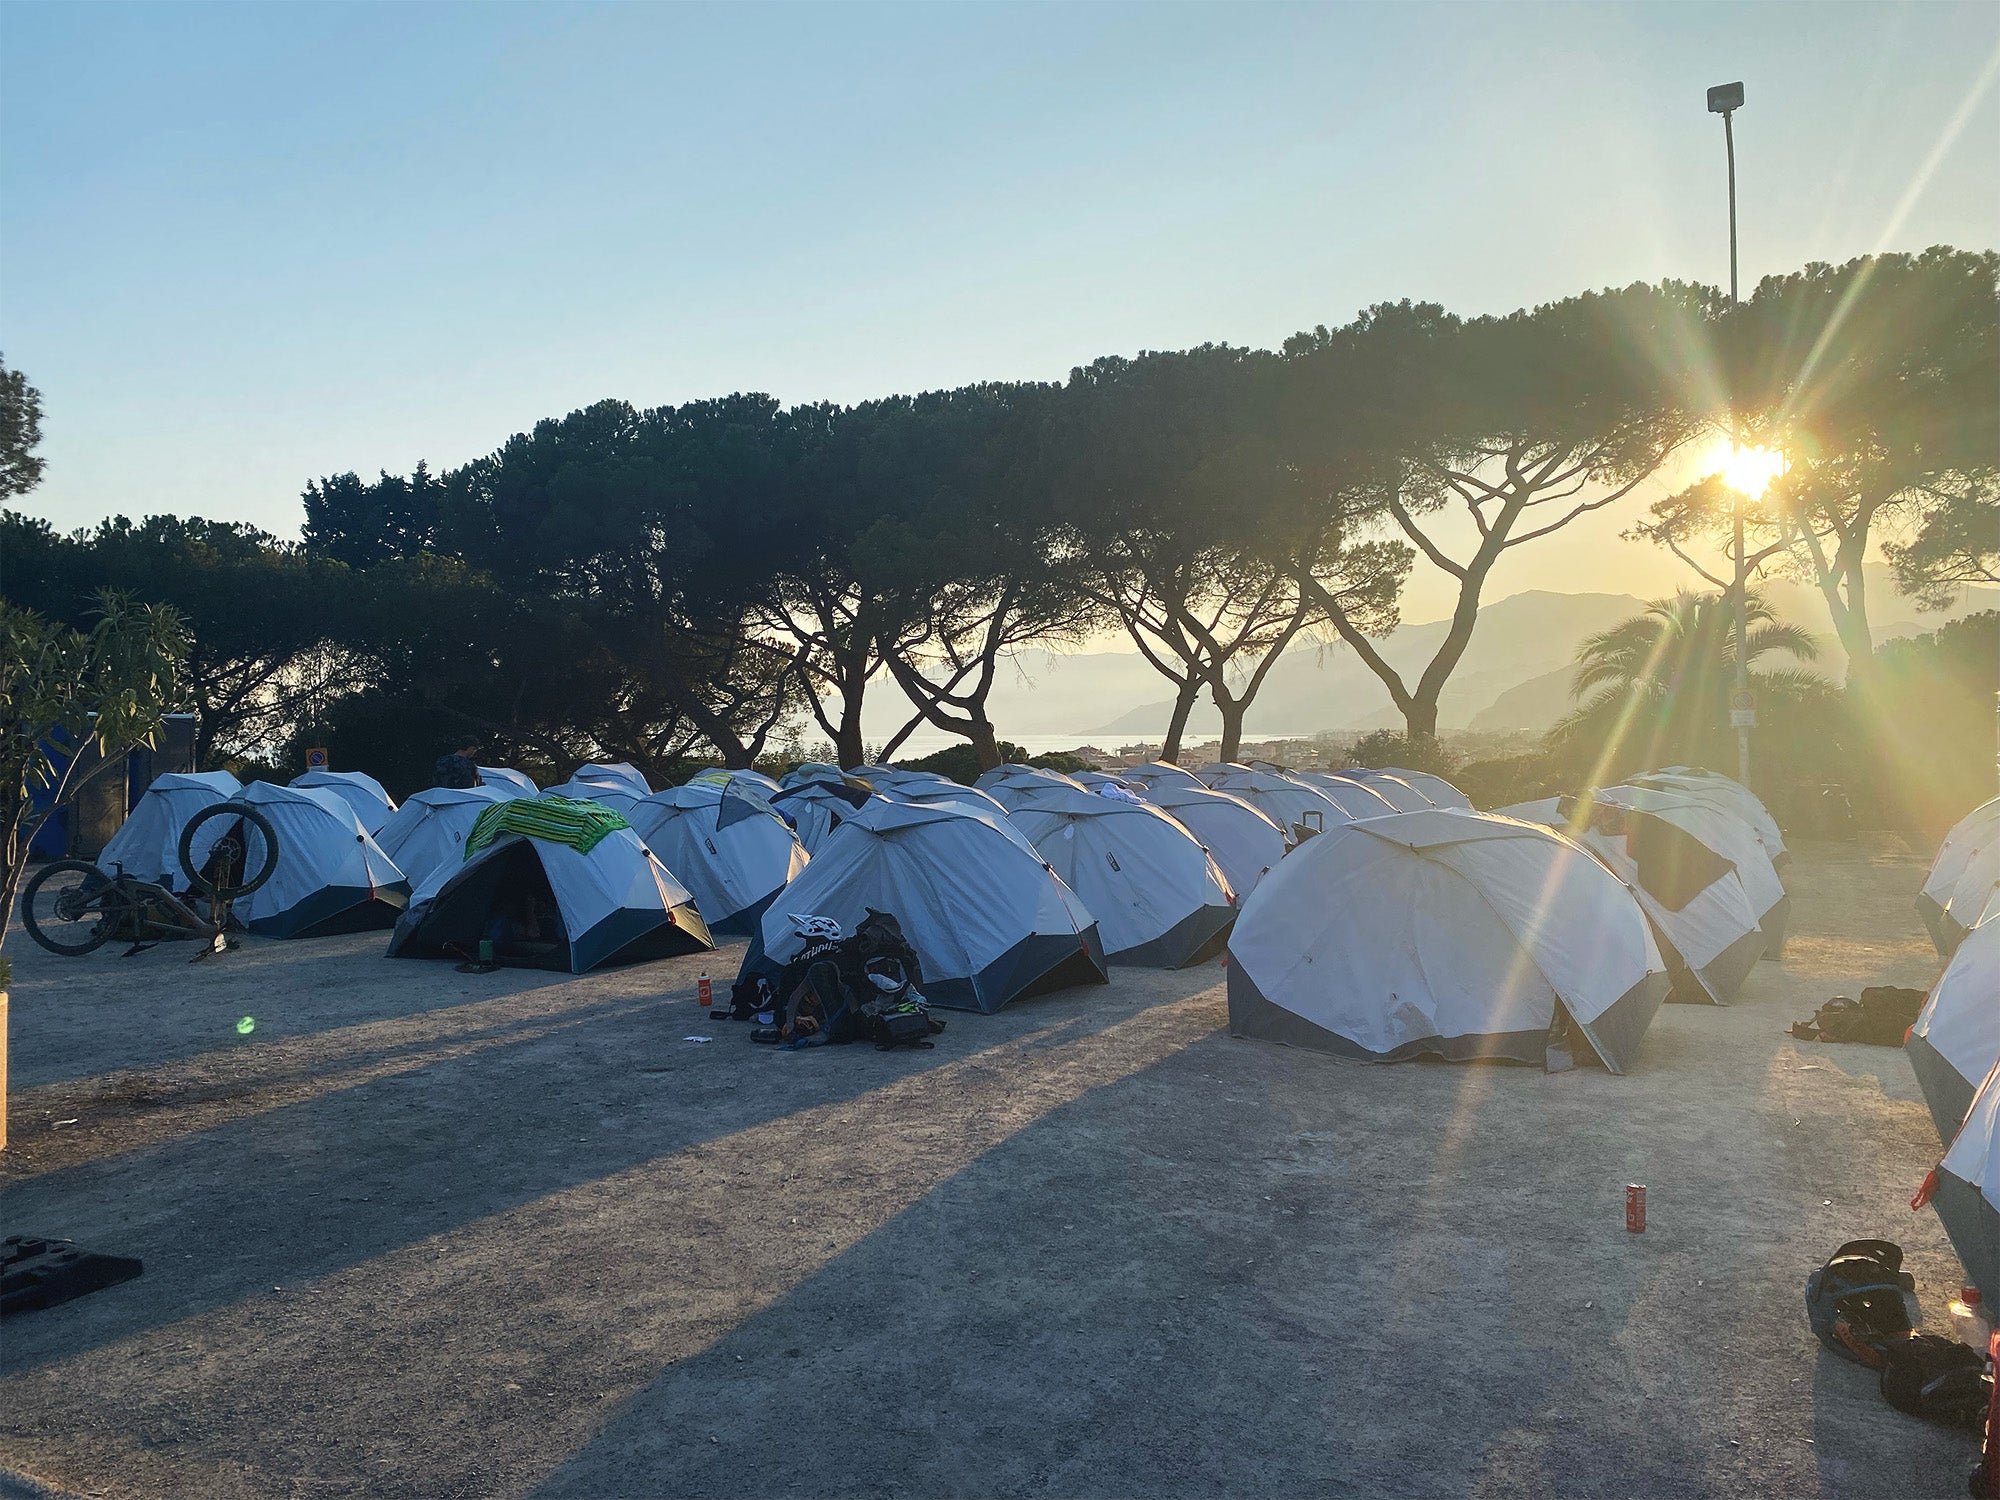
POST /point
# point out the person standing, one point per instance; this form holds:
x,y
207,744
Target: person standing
x,y
458,769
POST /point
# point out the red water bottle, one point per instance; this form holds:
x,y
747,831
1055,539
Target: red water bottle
x,y
704,992
1635,1207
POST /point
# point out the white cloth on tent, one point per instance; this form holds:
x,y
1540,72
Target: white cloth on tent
x,y
726,844
1242,840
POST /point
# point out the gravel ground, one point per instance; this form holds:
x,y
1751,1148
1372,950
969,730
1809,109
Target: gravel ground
x,y
429,1234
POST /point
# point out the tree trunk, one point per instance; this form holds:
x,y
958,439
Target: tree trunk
x,y
847,747
1232,725
985,744
1184,701
1420,718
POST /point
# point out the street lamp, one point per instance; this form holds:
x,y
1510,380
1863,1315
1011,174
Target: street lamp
x,y
1725,99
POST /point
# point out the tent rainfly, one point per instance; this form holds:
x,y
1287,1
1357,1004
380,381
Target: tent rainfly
x,y
726,844
1701,915
1244,842
1159,898
330,875
1447,934
1965,1189
1962,877
508,780
370,800
147,844
989,920
812,770
1956,1039
546,905
430,828
945,791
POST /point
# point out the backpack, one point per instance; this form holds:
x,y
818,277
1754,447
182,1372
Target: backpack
x,y
1879,1018
1861,1301
1939,1379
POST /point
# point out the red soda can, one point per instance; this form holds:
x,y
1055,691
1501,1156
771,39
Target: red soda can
x,y
705,993
1635,1207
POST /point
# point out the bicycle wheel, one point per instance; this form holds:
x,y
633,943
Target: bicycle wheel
x,y
226,868
71,907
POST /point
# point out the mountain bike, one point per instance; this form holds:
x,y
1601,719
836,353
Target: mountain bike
x,y
72,907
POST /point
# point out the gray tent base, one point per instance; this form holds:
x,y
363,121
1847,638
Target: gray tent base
x,y
1973,1228
1934,919
1036,965
747,922
1194,939
337,909
1613,1037
1717,981
1773,924
1947,1094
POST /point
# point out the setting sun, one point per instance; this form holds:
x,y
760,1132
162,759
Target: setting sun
x,y
1748,471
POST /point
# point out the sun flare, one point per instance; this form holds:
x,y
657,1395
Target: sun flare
x,y
1748,471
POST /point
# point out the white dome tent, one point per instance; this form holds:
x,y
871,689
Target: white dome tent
x,y
1392,789
1956,1039
507,779
1725,794
430,828
945,791
1727,835
1968,1188
990,922
614,904
1355,799
618,773
1449,934
1962,877
147,844
370,800
1286,801
815,808
1160,773
616,795
1159,897
1242,840
330,875
725,843
1441,792
1701,915
1009,784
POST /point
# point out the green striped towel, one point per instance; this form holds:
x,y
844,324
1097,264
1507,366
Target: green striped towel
x,y
560,820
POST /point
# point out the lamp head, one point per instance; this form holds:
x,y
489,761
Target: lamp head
x,y
1724,97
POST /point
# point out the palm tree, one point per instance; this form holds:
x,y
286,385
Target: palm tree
x,y
1654,690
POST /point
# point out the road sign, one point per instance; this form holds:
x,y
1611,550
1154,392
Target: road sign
x,y
316,760
1743,718
1743,701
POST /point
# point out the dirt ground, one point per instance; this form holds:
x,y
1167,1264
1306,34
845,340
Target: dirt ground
x,y
428,1234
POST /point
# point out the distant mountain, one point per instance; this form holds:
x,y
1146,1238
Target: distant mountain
x,y
1534,704
1517,638
1515,674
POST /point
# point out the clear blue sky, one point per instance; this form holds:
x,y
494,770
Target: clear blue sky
x,y
245,245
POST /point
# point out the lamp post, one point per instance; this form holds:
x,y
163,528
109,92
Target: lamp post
x,y
1725,99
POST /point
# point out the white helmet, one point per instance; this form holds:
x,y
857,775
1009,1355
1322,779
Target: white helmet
x,y
817,929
